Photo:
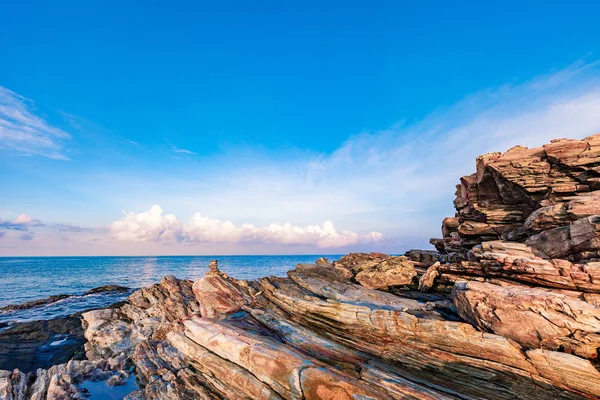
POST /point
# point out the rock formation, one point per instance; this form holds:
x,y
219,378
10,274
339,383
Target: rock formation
x,y
506,308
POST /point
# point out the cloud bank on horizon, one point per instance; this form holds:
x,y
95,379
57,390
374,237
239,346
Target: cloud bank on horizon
x,y
152,225
386,190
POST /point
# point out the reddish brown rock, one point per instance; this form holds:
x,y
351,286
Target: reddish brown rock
x,y
427,280
393,271
327,271
218,294
356,261
427,342
535,318
505,197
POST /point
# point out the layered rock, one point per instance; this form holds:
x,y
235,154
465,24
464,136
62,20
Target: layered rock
x,y
502,200
147,314
218,295
532,317
41,344
507,308
60,381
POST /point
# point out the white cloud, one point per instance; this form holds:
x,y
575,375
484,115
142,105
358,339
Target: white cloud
x,y
25,133
24,219
147,226
153,225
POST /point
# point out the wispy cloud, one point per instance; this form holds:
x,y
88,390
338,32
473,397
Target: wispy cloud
x,y
22,223
154,225
397,181
400,181
128,142
75,228
26,228
183,151
24,133
27,236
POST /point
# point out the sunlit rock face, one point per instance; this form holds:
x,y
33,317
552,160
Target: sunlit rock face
x,y
506,308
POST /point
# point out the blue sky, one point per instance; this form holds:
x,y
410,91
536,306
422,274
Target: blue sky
x,y
251,124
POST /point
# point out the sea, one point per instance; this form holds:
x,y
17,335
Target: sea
x,y
30,278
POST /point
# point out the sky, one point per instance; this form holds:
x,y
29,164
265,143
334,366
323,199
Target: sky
x,y
272,127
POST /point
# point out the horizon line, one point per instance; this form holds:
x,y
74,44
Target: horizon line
x,y
186,255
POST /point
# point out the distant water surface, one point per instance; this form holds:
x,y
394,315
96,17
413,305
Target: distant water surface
x,y
28,278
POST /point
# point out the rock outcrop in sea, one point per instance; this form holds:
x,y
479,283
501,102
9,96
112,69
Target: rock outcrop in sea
x,y
507,307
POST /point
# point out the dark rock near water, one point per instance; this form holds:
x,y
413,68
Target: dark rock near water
x,y
55,298
41,344
107,288
35,303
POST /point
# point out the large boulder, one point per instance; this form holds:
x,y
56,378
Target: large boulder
x,y
218,294
535,318
393,271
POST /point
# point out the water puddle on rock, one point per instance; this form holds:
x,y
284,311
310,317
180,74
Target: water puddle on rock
x,y
100,390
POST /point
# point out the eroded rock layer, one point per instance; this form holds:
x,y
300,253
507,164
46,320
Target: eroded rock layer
x,y
507,308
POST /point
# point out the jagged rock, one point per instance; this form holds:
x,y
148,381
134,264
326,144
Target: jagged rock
x,y
218,294
165,374
560,214
58,382
355,261
439,244
117,380
424,257
427,281
55,298
581,235
519,262
535,318
41,344
326,271
505,197
35,303
322,261
147,313
107,289
375,270
393,271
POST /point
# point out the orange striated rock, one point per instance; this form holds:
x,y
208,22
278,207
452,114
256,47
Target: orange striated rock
x,y
510,188
535,318
355,261
393,271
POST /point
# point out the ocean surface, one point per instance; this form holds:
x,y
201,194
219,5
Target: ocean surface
x,y
29,278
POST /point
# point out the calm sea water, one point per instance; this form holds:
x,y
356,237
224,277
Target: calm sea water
x,y
28,278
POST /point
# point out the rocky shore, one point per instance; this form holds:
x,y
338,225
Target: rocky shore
x,y
507,307
30,345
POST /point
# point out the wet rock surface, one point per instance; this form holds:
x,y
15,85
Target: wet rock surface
x,y
507,307
41,344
